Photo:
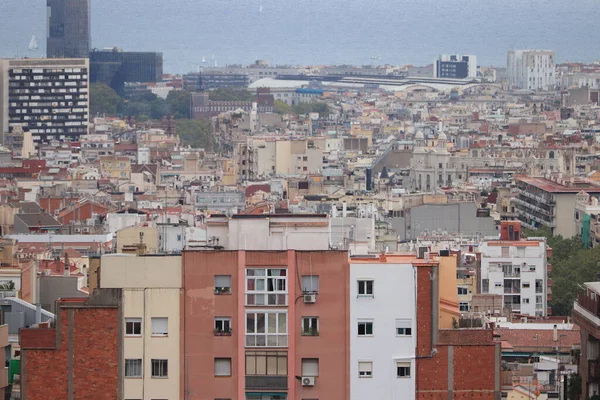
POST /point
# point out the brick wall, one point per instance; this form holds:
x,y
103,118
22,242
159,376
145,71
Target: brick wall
x,y
91,343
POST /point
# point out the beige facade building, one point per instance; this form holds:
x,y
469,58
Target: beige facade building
x,y
152,297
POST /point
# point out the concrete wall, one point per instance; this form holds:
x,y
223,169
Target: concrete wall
x,y
129,271
131,235
53,288
393,284
565,215
277,234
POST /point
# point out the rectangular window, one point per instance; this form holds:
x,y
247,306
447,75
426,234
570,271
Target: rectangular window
x,y
160,326
266,287
505,252
463,306
265,363
222,366
525,300
403,369
526,284
365,287
365,328
365,369
223,325
463,291
222,284
485,286
403,327
133,368
310,326
310,283
160,368
310,367
133,327
266,329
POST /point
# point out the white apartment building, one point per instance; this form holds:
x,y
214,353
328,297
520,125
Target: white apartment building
x,y
383,333
517,270
152,297
531,69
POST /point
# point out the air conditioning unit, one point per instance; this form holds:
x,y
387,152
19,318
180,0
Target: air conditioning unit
x,y
308,381
310,298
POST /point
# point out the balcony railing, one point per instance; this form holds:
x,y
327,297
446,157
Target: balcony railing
x,y
260,382
512,290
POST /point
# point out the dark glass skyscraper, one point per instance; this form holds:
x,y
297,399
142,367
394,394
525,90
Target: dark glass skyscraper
x,y
68,29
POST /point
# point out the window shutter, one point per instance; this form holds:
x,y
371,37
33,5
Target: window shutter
x,y
222,366
310,367
160,326
222,280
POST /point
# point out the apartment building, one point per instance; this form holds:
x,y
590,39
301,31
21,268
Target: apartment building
x,y
549,202
518,270
586,314
587,219
455,66
68,28
531,69
266,325
47,97
151,288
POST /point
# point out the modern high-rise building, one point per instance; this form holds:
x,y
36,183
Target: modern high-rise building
x,y
455,66
115,67
68,29
47,97
531,69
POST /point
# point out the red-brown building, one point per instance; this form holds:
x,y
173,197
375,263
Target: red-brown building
x,y
79,358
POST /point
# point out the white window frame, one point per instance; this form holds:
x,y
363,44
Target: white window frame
x,y
222,289
159,331
226,363
365,321
160,375
365,369
403,364
280,338
311,321
134,321
403,327
466,290
364,288
223,321
264,297
310,287
309,365
140,364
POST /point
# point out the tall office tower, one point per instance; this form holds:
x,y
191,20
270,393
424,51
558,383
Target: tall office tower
x,y
68,29
455,66
47,97
531,69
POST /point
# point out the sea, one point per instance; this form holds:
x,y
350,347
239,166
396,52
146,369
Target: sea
x,y
320,32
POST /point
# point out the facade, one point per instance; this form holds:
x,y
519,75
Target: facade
x,y
151,318
203,107
115,67
198,81
549,203
531,69
518,270
266,325
586,314
68,28
455,66
225,202
46,97
116,167
431,167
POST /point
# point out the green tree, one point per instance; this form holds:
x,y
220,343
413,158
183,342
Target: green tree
x,y
573,387
226,94
104,100
306,108
281,107
194,133
179,103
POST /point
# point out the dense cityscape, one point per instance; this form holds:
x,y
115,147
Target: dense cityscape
x,y
301,232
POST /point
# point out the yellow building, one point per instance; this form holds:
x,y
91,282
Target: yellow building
x,y
116,167
447,290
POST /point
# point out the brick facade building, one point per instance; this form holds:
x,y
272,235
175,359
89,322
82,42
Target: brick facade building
x,y
79,358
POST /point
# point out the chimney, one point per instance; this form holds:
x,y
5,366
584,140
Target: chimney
x,y
67,271
57,262
555,333
344,211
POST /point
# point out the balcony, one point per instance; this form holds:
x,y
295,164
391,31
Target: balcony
x,y
594,370
260,382
512,290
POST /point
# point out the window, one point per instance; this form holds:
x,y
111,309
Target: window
x,y
133,327
310,283
525,300
526,284
266,329
365,328
160,326
505,252
133,368
485,285
463,306
160,368
222,366
222,326
310,326
403,327
403,369
266,287
310,367
265,363
463,291
222,284
365,369
532,268
365,287
498,284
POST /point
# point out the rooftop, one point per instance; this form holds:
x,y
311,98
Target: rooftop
x,y
574,186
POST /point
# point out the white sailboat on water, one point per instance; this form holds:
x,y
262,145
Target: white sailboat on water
x,y
33,46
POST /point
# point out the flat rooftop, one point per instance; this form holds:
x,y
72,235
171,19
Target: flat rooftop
x,y
567,187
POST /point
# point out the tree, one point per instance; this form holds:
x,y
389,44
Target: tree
x,y
194,133
306,108
226,94
573,387
179,103
281,107
104,100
